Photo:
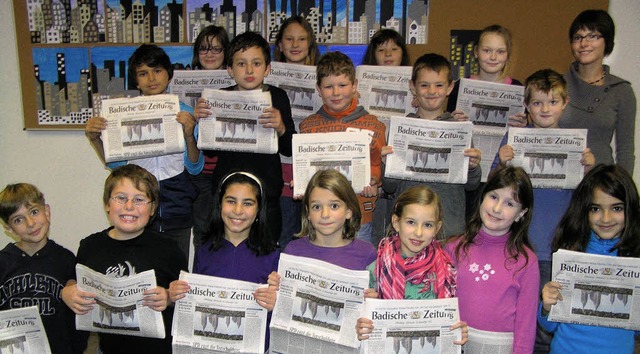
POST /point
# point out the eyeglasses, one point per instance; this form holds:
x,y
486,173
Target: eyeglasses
x,y
214,50
137,201
589,37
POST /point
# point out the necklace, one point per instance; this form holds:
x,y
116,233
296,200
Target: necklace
x,y
596,81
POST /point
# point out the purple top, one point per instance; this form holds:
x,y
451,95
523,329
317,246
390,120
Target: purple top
x,y
357,255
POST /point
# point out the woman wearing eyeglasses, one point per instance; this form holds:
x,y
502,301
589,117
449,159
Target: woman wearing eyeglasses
x,y
600,102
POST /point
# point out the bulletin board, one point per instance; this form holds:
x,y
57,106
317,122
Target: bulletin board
x,y
539,30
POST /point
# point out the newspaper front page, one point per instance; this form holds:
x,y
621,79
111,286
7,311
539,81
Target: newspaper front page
x,y
119,308
218,315
384,91
597,290
486,342
412,326
427,150
346,152
143,126
233,125
22,332
489,105
188,84
317,307
551,157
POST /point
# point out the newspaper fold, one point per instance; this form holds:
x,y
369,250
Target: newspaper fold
x,y
346,152
119,308
188,84
596,290
218,315
412,326
486,342
427,150
22,332
140,127
233,125
319,303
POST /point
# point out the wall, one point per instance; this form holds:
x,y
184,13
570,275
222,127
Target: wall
x,y
65,168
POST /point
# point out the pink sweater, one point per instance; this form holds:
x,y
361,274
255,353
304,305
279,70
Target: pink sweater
x,y
495,294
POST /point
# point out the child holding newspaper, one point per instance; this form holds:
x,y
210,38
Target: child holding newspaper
x,y
411,263
603,218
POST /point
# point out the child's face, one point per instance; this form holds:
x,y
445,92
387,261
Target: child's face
x,y
337,92
606,215
239,209
295,44
249,68
327,213
388,54
586,52
128,219
499,209
492,53
210,60
417,227
152,81
545,109
431,89
31,224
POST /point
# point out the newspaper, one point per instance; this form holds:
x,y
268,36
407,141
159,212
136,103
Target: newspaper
x,y
119,308
412,326
347,152
233,125
596,290
143,126
428,150
317,302
485,342
551,157
218,315
22,332
188,84
489,105
384,91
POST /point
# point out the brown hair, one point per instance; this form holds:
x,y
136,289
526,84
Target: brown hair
x,y
335,63
15,196
141,179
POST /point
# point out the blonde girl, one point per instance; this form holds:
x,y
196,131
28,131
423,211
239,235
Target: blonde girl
x,y
295,42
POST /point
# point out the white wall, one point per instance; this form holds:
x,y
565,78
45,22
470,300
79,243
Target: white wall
x,y
66,169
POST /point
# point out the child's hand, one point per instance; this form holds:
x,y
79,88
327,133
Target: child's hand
x,y
266,297
271,118
201,109
178,289
94,127
474,155
588,160
156,299
517,120
364,327
274,280
80,302
370,293
371,190
188,123
459,116
386,150
464,329
550,295
505,154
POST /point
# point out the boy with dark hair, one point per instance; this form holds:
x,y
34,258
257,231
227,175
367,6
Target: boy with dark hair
x,y
152,70
337,86
34,270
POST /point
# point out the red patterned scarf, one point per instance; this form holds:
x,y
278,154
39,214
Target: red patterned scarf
x,y
392,271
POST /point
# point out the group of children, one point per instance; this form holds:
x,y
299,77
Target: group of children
x,y
430,250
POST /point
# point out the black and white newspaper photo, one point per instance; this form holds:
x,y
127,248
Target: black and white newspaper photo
x,y
412,326
489,105
596,290
346,152
218,315
22,332
317,302
551,157
233,125
143,126
428,150
486,342
188,84
384,91
119,308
